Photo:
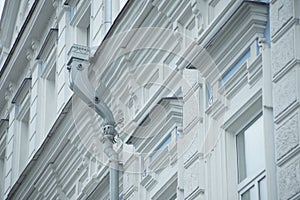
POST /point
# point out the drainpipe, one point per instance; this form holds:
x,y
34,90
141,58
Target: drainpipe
x,y
107,15
180,182
268,121
80,84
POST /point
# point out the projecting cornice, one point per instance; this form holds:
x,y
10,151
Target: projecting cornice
x,y
32,28
8,21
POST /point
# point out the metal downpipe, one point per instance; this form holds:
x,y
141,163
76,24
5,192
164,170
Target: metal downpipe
x,y
107,15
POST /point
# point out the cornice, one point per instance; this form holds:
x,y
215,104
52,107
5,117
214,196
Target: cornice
x,y
41,10
8,20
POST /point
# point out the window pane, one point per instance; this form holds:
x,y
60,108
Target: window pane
x,y
254,148
161,147
241,156
250,149
263,189
249,194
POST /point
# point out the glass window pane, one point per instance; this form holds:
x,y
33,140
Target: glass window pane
x,y
241,157
249,194
262,189
254,148
250,150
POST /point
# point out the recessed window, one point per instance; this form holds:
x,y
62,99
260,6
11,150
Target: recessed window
x,y
24,141
236,66
22,108
251,161
2,173
83,29
151,87
51,97
161,147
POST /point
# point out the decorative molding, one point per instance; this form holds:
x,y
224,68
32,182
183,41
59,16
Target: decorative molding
x,y
149,182
192,124
198,191
132,189
285,70
244,114
160,124
48,43
9,91
55,3
235,83
196,156
254,70
161,161
22,91
29,54
78,52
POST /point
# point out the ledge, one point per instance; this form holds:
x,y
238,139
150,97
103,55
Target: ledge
x,y
22,90
51,36
149,182
195,193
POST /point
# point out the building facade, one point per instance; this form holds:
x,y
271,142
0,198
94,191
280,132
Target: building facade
x,y
205,96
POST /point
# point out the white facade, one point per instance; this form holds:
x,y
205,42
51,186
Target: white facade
x,y
205,94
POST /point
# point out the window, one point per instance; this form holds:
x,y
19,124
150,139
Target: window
x,y
3,137
235,67
161,147
209,95
24,141
2,173
50,97
83,29
88,36
151,87
48,82
22,107
251,161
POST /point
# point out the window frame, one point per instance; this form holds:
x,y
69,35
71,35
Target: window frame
x,y
23,114
243,116
3,154
48,70
250,181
